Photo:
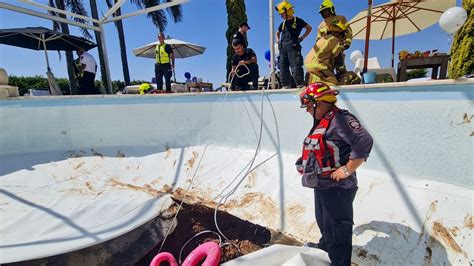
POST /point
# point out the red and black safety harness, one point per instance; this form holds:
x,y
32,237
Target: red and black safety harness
x,y
327,154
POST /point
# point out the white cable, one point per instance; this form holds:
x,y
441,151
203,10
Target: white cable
x,y
250,169
235,74
258,139
187,191
224,198
182,200
196,235
245,73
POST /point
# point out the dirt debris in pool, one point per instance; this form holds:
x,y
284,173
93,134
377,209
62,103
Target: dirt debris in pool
x,y
195,218
139,246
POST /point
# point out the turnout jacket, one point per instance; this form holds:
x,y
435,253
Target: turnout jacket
x,y
336,23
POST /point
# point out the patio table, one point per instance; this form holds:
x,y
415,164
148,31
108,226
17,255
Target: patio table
x,y
434,62
199,85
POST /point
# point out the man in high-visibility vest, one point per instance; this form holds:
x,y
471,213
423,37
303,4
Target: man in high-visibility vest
x,y
164,63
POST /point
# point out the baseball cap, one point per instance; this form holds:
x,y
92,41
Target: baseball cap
x,y
245,24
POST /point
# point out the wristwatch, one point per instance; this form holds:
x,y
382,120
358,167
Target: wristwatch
x,y
346,171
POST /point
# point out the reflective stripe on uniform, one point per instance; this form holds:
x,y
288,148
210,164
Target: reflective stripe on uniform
x,y
336,152
336,49
293,25
327,169
317,65
322,88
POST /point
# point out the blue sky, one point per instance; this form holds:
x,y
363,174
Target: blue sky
x,y
204,23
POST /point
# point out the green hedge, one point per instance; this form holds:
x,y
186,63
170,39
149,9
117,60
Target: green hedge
x,y
37,83
41,83
416,73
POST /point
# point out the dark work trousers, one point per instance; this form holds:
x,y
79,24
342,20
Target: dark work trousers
x,y
86,84
243,82
334,215
291,60
163,70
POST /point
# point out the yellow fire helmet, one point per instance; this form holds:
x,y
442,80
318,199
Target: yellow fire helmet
x,y
327,4
285,7
144,88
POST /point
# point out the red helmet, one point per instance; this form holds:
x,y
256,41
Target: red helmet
x,y
314,91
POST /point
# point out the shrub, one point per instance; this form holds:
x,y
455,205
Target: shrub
x,y
416,73
36,82
41,83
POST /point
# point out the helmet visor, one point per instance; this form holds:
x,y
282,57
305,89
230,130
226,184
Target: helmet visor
x,y
305,100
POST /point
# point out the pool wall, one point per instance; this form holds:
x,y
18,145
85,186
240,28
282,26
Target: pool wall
x,y
419,130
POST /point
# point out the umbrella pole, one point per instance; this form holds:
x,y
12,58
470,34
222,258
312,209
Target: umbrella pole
x,y
47,61
45,51
106,60
393,38
174,74
367,36
393,48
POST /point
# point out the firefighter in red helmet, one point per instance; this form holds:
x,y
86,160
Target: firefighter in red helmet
x,y
335,147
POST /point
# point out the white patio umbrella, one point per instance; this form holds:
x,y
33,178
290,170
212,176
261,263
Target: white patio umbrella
x,y
181,49
397,18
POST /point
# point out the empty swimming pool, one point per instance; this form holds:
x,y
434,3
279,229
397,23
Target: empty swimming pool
x,y
77,171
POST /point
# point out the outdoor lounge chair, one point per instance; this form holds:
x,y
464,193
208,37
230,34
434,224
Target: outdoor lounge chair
x,y
373,65
34,92
6,90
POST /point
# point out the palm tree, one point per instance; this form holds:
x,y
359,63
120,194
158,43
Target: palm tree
x,y
75,6
158,18
98,38
236,14
123,47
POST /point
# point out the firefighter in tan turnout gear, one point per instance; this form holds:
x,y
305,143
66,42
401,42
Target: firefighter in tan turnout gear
x,y
325,62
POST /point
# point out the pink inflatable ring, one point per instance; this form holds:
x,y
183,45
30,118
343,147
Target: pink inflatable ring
x,y
164,256
209,250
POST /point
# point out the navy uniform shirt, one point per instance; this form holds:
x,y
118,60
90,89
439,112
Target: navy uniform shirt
x,y
353,141
294,27
247,55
